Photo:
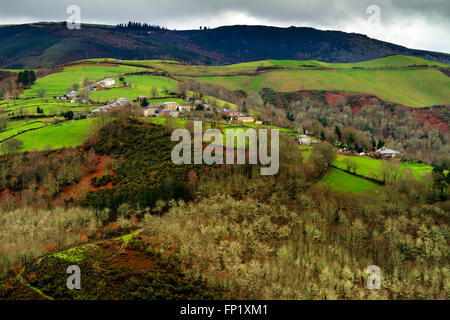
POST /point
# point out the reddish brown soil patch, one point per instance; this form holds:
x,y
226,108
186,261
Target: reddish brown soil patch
x,y
355,100
113,226
84,185
83,238
4,194
332,97
132,259
356,109
434,117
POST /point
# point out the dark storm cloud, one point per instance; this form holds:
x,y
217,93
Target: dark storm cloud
x,y
410,22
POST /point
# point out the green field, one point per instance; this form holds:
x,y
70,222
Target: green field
x,y
27,107
395,61
371,168
417,88
57,83
178,122
15,127
140,86
306,151
218,102
67,134
400,82
346,182
155,101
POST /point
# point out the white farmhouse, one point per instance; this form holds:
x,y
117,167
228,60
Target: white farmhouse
x,y
108,82
387,153
304,140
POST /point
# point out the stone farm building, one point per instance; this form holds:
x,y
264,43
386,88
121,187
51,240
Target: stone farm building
x,y
171,105
304,140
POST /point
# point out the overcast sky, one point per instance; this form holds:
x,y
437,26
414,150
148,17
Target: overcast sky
x,y
418,24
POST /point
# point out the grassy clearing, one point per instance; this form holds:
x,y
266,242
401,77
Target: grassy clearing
x,y
155,101
51,106
17,129
140,86
418,169
372,168
306,151
57,83
76,254
343,181
367,167
178,122
65,135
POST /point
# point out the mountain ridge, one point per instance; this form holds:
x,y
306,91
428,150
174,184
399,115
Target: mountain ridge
x,y
46,44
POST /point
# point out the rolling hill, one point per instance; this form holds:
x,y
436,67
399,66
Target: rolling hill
x,y
44,44
394,79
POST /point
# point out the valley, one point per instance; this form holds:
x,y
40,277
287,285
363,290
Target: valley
x,y
87,178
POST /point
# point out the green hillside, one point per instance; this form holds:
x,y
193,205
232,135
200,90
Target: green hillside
x,y
395,61
409,86
68,134
342,181
57,83
140,86
372,168
400,82
417,88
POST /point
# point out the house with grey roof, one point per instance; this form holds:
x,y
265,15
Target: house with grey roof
x,y
387,153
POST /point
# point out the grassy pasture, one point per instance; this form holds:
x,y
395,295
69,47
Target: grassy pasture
x,y
57,83
17,126
140,86
345,182
367,167
371,168
306,151
299,63
417,88
178,122
9,132
395,61
155,101
68,134
51,106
